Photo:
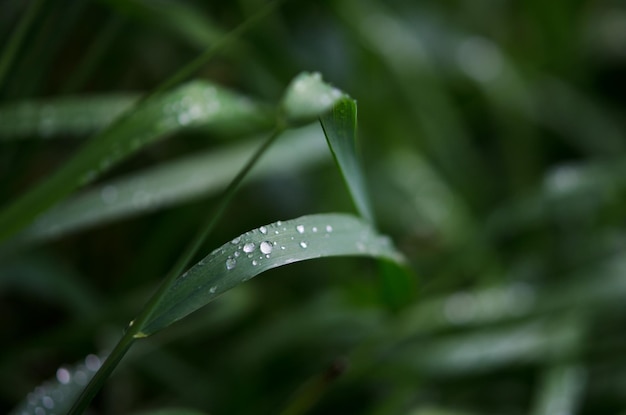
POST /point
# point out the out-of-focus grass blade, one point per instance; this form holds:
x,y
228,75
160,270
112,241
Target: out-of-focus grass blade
x,y
560,390
261,249
67,115
179,17
486,350
191,105
49,281
58,395
172,183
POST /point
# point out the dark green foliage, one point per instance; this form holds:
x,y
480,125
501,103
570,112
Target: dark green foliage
x,y
492,138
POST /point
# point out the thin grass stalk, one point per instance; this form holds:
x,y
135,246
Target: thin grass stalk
x,y
133,331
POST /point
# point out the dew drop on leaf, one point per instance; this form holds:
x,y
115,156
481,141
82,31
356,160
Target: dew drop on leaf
x,y
303,244
231,263
300,229
266,247
249,247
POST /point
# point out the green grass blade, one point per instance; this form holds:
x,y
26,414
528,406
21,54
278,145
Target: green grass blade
x,y
180,18
62,116
14,43
308,98
259,250
340,129
173,183
191,105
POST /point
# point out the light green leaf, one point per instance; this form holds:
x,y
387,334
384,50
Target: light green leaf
x,y
173,183
191,105
261,249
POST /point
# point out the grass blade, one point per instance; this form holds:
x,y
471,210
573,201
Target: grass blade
x,y
259,250
191,105
307,98
11,48
340,129
62,116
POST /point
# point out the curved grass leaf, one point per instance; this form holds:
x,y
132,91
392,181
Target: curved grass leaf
x,y
307,98
259,250
191,105
173,183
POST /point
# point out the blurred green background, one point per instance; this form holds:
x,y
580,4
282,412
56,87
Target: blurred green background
x,y
493,139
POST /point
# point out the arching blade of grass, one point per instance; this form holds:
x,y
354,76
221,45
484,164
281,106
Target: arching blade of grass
x,y
261,249
340,130
307,98
173,183
191,105
67,115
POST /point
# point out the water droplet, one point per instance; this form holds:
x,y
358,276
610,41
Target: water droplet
x,y
92,362
63,376
254,262
249,247
231,263
266,247
267,256
263,230
236,254
303,244
279,223
213,289
300,229
282,247
329,228
314,229
276,232
47,402
236,240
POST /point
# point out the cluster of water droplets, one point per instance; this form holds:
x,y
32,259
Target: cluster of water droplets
x,y
248,247
56,397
